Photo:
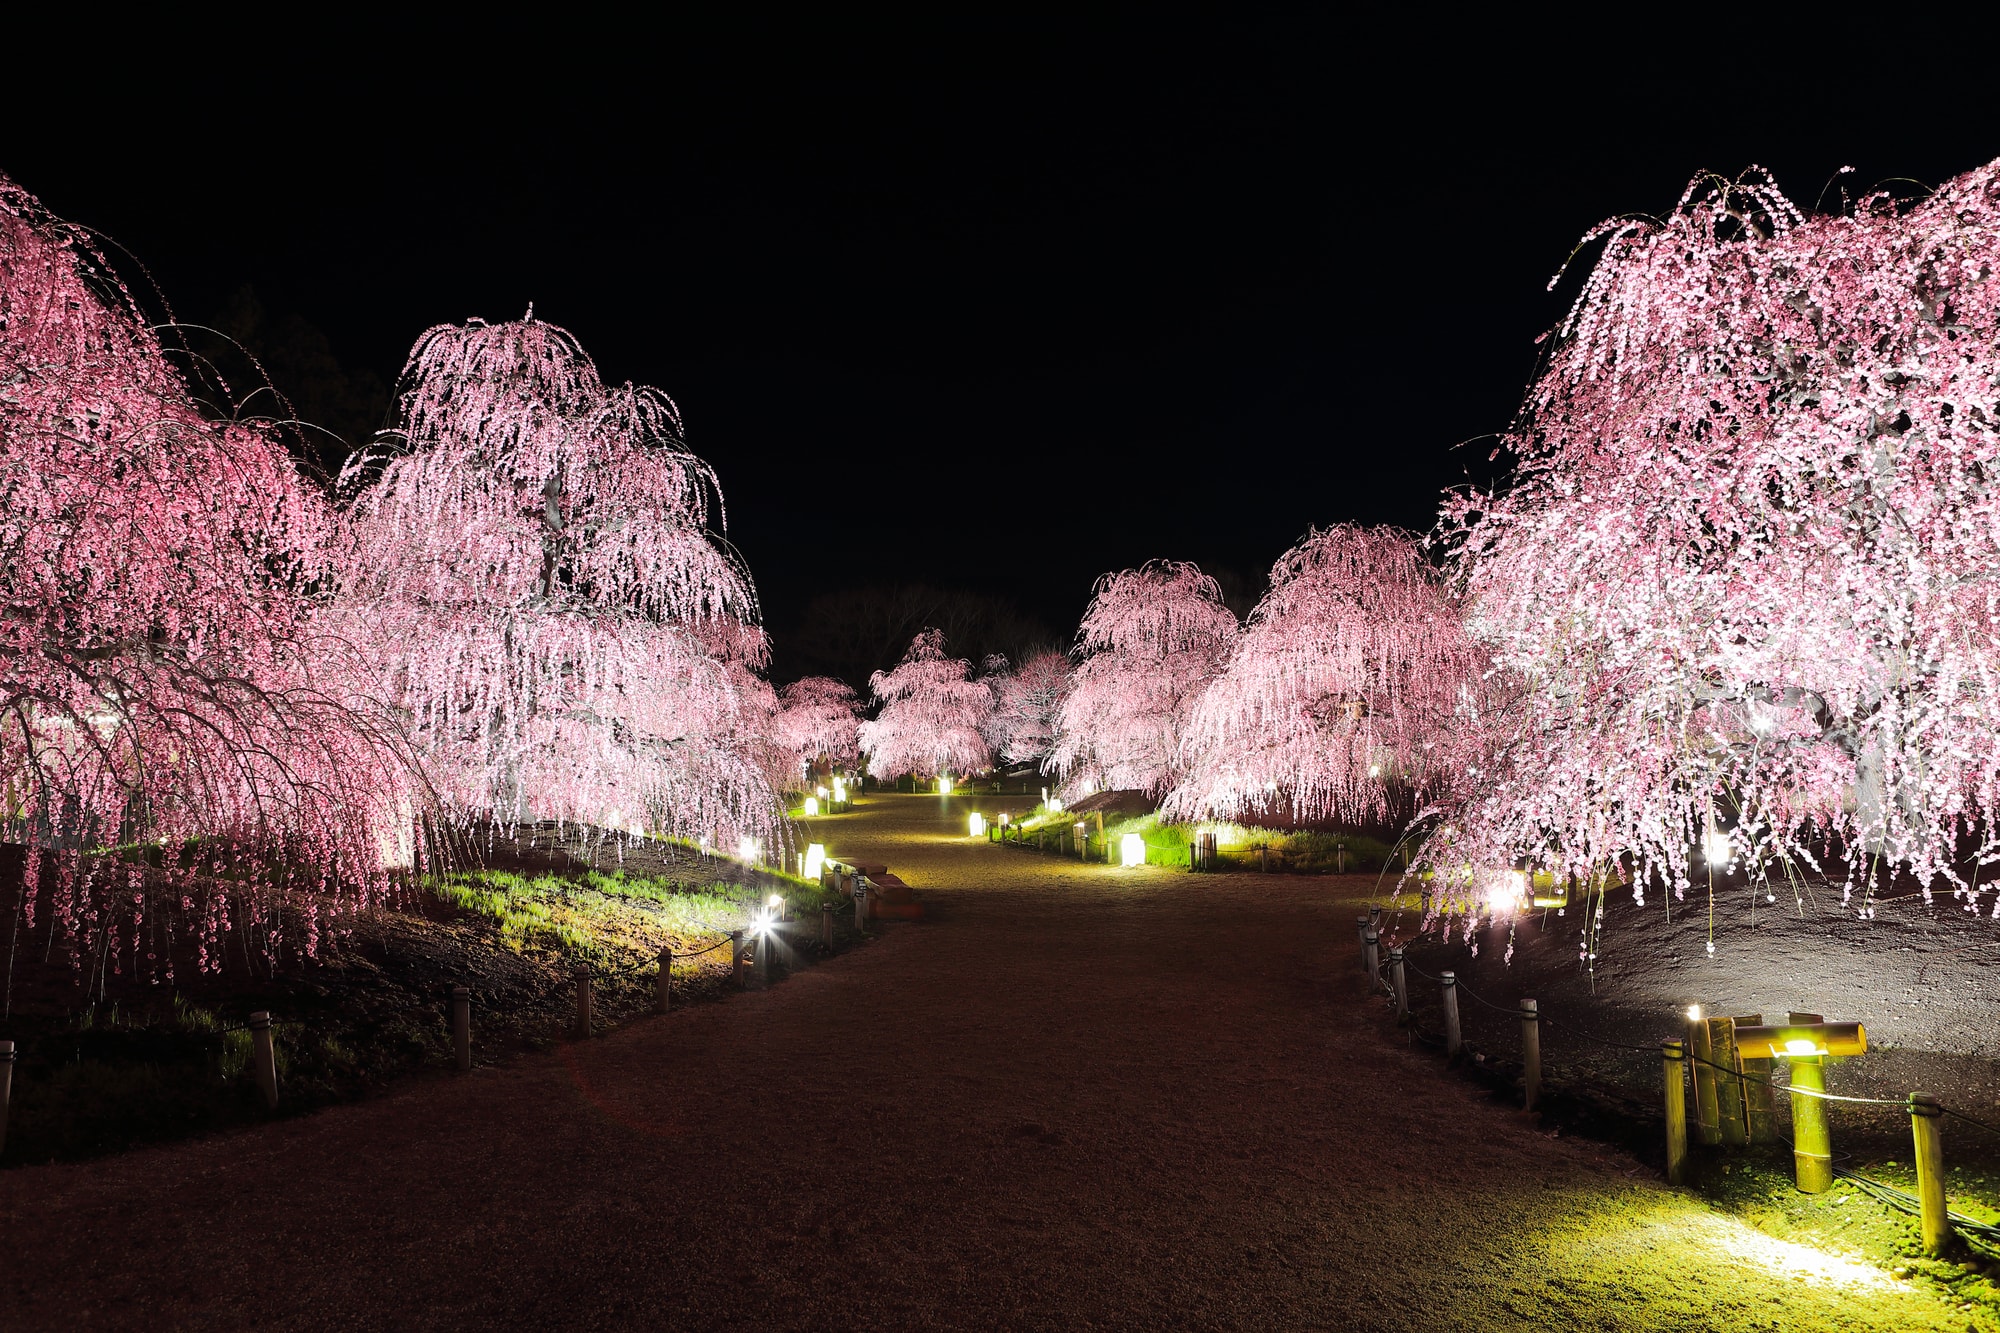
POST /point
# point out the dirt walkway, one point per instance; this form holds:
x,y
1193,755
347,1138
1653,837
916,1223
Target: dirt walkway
x,y
1078,1098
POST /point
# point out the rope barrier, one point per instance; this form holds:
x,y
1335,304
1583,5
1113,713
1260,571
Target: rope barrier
x,y
1689,1055
1969,1120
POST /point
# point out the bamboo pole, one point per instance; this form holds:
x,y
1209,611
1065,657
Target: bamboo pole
x,y
1370,956
1812,1142
1677,1111
736,956
461,1026
1531,1054
6,1087
264,1057
1400,984
1453,1042
583,1005
1707,1111
1927,1128
663,985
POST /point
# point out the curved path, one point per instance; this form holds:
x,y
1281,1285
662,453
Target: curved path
x,y
1078,1098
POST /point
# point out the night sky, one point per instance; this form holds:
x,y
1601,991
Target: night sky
x,y
1000,306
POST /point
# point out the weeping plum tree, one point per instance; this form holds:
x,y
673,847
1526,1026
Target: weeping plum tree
x,y
930,715
1150,642
161,676
1746,578
532,554
1025,703
819,717
1342,699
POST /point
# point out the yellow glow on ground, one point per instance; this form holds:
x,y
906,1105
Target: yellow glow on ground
x,y
1727,1243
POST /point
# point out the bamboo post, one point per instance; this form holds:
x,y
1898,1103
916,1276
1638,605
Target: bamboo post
x,y
736,958
1759,1107
1340,859
1675,1054
1371,956
6,1087
583,1014
1732,1111
861,904
1452,1039
766,942
1531,1054
264,1056
826,925
1361,934
1707,1114
461,1025
1812,1143
663,986
1927,1128
1399,984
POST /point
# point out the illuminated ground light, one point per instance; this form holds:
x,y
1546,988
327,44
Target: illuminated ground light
x,y
1508,892
746,849
978,825
1721,1240
944,786
840,793
812,806
815,864
1131,850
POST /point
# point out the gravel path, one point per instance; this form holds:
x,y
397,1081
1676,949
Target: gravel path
x,y
1077,1098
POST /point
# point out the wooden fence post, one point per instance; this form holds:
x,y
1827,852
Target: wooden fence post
x,y
1677,1111
1453,1042
1531,1054
736,954
583,1014
264,1056
1399,984
6,1087
461,1025
1926,1127
1371,957
1361,934
826,925
663,988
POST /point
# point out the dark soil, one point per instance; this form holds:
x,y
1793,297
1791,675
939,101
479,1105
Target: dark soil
x,y
108,1063
1077,1097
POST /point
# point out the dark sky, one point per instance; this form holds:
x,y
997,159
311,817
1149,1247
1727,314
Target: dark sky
x,y
1002,305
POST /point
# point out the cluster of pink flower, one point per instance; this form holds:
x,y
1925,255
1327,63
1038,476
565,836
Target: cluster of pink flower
x,y
530,557
520,610
1742,587
162,675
